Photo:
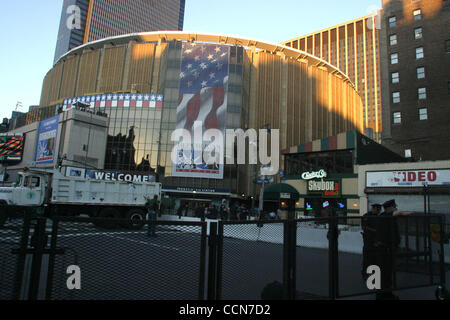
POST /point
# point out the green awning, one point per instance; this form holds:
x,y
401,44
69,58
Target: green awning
x,y
274,191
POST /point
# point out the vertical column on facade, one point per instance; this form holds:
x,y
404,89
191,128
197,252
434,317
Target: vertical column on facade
x,y
313,44
98,77
330,103
355,54
309,95
321,45
77,74
346,49
283,124
338,56
306,44
329,45
375,73
127,65
159,51
366,116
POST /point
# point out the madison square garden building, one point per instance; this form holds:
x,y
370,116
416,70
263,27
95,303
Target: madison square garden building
x,y
149,84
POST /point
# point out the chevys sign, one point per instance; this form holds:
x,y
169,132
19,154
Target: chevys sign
x,y
408,178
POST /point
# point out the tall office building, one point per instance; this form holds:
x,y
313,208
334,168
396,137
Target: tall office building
x,y
353,47
84,21
415,77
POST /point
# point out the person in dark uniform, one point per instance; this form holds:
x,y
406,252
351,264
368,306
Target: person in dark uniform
x,y
368,224
152,209
387,240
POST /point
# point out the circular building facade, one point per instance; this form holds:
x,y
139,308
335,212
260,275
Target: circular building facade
x,y
152,83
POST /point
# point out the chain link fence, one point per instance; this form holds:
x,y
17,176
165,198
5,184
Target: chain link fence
x,y
251,264
124,264
10,238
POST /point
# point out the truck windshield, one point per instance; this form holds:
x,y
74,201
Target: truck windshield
x,y
18,181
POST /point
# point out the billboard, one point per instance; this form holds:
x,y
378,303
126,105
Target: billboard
x,y
46,144
202,106
11,148
408,178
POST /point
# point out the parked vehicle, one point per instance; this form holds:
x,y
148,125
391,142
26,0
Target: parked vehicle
x,y
73,196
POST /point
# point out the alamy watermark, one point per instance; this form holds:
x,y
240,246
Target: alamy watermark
x,y
74,19
213,148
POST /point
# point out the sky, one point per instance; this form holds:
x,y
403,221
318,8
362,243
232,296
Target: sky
x,y
29,31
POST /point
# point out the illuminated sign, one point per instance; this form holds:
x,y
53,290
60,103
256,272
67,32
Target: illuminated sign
x,y
314,175
325,188
11,148
120,176
408,178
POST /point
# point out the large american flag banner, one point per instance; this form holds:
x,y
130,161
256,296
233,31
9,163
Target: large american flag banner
x,y
202,101
117,100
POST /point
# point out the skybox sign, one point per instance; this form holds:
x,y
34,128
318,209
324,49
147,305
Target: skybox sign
x,y
325,187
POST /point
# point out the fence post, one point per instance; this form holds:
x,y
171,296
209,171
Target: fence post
x,y
38,241
212,261
20,267
333,272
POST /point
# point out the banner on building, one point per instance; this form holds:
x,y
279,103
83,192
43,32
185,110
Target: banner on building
x,y
11,148
46,143
408,178
202,101
116,100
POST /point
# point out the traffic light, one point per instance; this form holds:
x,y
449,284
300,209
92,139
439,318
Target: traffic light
x,y
60,161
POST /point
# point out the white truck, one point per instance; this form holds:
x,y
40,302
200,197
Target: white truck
x,y
73,196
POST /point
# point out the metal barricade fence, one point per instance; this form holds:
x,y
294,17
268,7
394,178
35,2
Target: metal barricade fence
x,y
311,258
250,260
11,234
124,264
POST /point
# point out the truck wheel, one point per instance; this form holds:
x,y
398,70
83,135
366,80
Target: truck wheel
x,y
442,293
3,213
107,213
135,219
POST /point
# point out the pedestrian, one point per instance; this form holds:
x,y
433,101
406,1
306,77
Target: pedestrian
x,y
186,210
152,209
368,224
198,210
180,211
387,240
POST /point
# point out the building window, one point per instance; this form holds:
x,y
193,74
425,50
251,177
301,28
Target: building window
x,y
419,53
397,117
417,14
394,58
447,46
396,97
392,22
395,77
420,72
422,93
393,39
407,153
418,33
423,115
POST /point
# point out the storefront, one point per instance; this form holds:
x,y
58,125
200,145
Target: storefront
x,y
420,186
189,198
325,172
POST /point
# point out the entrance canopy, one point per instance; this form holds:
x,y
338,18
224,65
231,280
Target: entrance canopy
x,y
281,191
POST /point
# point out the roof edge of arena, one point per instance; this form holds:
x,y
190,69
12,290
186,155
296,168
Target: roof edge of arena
x,y
161,36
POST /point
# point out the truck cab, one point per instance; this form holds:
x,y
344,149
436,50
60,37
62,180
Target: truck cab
x,y
28,190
